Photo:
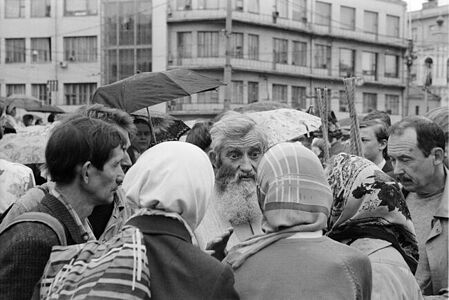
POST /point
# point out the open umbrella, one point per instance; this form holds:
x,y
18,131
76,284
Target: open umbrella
x,y
284,124
261,106
150,88
165,126
27,146
30,103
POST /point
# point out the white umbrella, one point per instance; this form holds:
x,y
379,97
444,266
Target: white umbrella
x,y
285,124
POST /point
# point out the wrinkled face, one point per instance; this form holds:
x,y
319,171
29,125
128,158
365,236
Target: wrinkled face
x,y
238,159
103,183
142,139
411,167
372,149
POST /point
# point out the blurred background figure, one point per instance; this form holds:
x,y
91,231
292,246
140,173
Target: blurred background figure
x,y
440,116
199,135
370,214
27,120
10,123
142,140
51,118
39,122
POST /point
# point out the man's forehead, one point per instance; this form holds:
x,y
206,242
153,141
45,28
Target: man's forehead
x,y
241,144
403,143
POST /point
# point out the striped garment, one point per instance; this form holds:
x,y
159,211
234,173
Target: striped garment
x,y
116,269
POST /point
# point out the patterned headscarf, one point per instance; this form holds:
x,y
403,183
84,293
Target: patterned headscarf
x,y
294,197
175,179
369,204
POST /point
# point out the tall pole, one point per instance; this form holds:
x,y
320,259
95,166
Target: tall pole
x,y
228,67
426,100
409,62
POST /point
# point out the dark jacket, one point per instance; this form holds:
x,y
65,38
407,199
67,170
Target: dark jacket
x,y
26,247
180,270
388,168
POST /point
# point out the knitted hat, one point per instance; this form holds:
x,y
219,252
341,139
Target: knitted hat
x,y
292,189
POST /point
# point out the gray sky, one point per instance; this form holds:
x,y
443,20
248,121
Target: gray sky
x,y
417,4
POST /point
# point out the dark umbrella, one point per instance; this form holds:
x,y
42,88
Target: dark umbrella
x,y
150,88
261,106
165,126
30,103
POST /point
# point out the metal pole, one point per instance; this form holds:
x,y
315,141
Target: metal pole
x,y
426,100
228,67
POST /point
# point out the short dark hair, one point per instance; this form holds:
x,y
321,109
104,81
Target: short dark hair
x,y
378,115
199,135
76,140
380,130
429,135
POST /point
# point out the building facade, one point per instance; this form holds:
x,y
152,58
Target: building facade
x,y
282,50
430,69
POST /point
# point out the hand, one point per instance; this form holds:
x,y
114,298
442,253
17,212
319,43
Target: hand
x,y
217,246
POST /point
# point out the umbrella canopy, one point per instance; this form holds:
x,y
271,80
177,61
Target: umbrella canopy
x,y
27,146
165,126
30,103
150,88
285,124
261,106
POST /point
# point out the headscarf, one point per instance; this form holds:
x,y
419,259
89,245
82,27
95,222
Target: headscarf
x,y
293,195
369,204
174,179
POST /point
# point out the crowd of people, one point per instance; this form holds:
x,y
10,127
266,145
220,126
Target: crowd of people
x,y
223,216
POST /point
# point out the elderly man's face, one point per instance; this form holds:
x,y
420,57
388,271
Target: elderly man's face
x,y
412,168
239,158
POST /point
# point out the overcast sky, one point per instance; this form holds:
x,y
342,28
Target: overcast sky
x,y
417,4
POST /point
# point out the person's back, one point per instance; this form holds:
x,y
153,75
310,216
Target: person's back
x,y
304,268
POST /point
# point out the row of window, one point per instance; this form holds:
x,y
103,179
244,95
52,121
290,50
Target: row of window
x,y
298,98
81,49
297,54
297,11
74,93
42,8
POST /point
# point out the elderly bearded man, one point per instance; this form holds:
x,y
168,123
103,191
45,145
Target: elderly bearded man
x,y
236,149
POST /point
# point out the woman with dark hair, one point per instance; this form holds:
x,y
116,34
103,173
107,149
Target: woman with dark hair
x,y
370,214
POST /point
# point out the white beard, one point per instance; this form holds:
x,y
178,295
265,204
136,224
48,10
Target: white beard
x,y
238,204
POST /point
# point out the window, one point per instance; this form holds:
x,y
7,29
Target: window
x,y
126,23
347,18
299,54
238,5
126,63
370,22
15,89
208,4
280,51
81,48
393,26
39,91
280,93
237,92
184,44
183,4
143,23
253,92
369,65
208,97
323,13
14,8
40,8
208,44
322,56
391,66
253,46
237,45
78,93
15,50
253,6
447,71
347,57
40,50
80,7
143,60
299,10
415,34
282,8
343,102
299,97
369,102
392,104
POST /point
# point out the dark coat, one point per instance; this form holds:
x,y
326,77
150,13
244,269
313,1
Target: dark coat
x,y
178,269
388,168
26,247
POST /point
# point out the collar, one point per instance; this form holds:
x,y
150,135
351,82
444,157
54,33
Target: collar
x,y
442,211
307,235
382,163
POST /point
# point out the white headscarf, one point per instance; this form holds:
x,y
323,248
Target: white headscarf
x,y
173,179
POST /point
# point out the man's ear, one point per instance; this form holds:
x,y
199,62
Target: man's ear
x,y
438,153
85,171
383,144
213,158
